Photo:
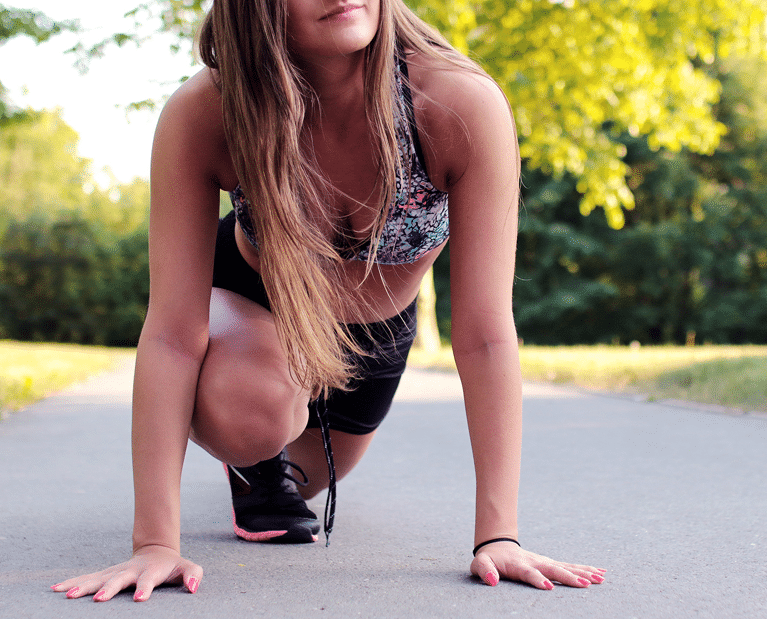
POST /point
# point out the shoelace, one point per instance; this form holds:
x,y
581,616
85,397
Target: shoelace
x,y
283,471
321,408
280,469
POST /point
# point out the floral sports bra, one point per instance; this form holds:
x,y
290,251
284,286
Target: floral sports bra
x,y
417,221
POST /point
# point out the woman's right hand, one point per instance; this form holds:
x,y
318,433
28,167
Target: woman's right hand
x,y
150,566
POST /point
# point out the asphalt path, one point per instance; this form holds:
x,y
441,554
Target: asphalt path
x,y
672,501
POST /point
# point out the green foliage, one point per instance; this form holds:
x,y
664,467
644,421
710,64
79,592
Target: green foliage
x,y
563,289
33,24
737,383
582,73
39,166
29,372
69,280
73,262
619,104
42,174
181,18
692,259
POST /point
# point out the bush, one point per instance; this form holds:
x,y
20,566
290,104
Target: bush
x,y
67,280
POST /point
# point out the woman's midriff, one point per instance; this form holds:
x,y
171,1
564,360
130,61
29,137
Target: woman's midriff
x,y
389,289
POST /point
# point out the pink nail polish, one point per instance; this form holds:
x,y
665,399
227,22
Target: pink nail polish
x,y
491,579
548,585
597,578
98,597
55,586
138,596
73,592
192,585
584,582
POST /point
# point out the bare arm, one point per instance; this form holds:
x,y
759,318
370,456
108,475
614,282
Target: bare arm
x,y
475,151
175,335
173,343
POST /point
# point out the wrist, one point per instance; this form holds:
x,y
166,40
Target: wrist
x,y
143,538
490,524
495,540
139,550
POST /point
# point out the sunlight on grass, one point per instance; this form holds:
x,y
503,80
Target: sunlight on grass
x,y
30,371
737,383
733,376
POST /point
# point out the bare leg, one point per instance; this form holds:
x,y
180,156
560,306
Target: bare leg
x,y
308,452
248,406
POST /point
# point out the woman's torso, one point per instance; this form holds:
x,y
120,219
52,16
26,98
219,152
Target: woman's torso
x,y
344,153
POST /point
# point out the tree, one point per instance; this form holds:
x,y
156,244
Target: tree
x,y
690,265
581,73
33,24
73,259
582,76
40,170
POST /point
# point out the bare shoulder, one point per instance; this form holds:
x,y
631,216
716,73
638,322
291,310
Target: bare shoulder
x,y
197,99
191,126
460,112
457,89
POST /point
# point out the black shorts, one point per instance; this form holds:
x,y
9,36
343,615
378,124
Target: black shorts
x,y
361,409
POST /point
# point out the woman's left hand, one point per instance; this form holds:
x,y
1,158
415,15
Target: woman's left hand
x,y
507,560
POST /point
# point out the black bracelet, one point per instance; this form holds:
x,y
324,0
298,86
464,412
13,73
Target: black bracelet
x,y
492,541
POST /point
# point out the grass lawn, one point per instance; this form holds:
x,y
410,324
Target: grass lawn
x,y
30,371
734,376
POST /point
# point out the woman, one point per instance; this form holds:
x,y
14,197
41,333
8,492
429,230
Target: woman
x,y
341,127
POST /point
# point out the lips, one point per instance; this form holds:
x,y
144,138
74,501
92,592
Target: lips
x,y
341,10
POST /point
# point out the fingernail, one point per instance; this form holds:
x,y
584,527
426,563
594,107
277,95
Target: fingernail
x,y
598,578
491,579
72,592
99,595
55,586
192,585
548,584
138,595
584,582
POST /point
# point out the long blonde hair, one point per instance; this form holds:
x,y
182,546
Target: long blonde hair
x,y
265,103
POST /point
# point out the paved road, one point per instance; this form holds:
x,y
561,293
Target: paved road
x,y
672,501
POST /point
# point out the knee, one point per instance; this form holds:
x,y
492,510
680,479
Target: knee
x,y
243,420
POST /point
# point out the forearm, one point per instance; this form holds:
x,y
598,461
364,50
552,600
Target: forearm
x,y
491,381
163,402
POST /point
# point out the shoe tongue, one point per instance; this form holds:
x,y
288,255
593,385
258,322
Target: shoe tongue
x,y
239,486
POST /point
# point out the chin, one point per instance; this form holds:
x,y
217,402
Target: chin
x,y
342,35
346,46
338,46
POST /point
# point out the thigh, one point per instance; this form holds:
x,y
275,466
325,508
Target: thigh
x,y
248,406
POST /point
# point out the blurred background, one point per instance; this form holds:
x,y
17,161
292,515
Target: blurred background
x,y
642,126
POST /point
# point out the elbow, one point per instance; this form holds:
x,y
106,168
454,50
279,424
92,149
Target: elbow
x,y
470,344
183,338
478,331
487,348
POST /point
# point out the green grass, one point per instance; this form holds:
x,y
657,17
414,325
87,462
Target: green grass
x,y
30,371
734,376
736,383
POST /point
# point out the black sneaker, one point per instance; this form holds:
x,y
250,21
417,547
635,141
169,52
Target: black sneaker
x,y
266,506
